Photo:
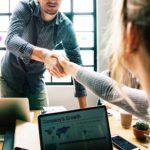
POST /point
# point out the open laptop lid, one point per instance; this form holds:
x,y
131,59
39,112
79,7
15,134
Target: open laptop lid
x,y
12,109
82,129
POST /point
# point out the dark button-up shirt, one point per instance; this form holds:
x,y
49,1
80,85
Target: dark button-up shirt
x,y
26,30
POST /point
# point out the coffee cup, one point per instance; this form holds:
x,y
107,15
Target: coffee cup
x,y
126,119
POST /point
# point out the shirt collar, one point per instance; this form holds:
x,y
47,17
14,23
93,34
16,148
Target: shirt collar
x,y
37,9
60,18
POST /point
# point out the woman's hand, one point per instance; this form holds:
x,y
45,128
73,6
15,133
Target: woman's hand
x,y
68,67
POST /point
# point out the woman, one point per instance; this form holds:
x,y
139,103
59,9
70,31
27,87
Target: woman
x,y
132,51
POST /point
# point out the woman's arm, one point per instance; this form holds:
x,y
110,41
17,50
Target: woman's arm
x,y
129,99
107,89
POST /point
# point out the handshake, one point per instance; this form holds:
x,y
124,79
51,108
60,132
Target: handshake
x,y
59,65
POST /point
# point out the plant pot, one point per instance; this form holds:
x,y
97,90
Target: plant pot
x,y
139,134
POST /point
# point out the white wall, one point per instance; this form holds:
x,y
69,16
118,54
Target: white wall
x,y
103,12
64,95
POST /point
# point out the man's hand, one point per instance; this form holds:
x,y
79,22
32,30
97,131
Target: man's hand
x,y
49,58
54,67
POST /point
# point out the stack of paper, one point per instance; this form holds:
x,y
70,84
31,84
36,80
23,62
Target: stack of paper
x,y
26,136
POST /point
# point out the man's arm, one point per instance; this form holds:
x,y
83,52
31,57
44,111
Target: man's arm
x,y
24,49
82,101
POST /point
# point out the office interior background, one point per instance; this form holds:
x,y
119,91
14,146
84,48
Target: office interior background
x,y
90,20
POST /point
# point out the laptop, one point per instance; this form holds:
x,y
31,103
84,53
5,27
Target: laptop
x,y
81,129
12,109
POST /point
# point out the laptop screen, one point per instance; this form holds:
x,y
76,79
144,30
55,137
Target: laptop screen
x,y
82,129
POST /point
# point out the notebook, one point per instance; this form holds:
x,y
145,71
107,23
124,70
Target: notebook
x,y
12,109
81,129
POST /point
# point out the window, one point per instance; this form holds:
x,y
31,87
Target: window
x,y
82,14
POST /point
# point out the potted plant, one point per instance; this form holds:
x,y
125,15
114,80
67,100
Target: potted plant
x,y
140,129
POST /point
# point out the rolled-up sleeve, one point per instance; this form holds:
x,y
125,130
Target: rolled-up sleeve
x,y
14,41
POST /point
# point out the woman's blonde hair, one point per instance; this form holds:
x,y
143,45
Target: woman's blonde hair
x,y
124,11
116,43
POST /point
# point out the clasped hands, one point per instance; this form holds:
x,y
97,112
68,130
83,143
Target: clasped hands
x,y
56,63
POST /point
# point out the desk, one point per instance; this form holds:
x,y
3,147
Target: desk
x,y
116,128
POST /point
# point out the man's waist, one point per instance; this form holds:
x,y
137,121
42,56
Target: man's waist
x,y
22,84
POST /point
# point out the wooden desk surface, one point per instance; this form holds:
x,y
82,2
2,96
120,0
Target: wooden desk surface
x,y
115,127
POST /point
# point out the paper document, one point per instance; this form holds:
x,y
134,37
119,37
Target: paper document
x,y
53,109
26,136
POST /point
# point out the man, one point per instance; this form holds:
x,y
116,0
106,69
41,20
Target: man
x,y
36,28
